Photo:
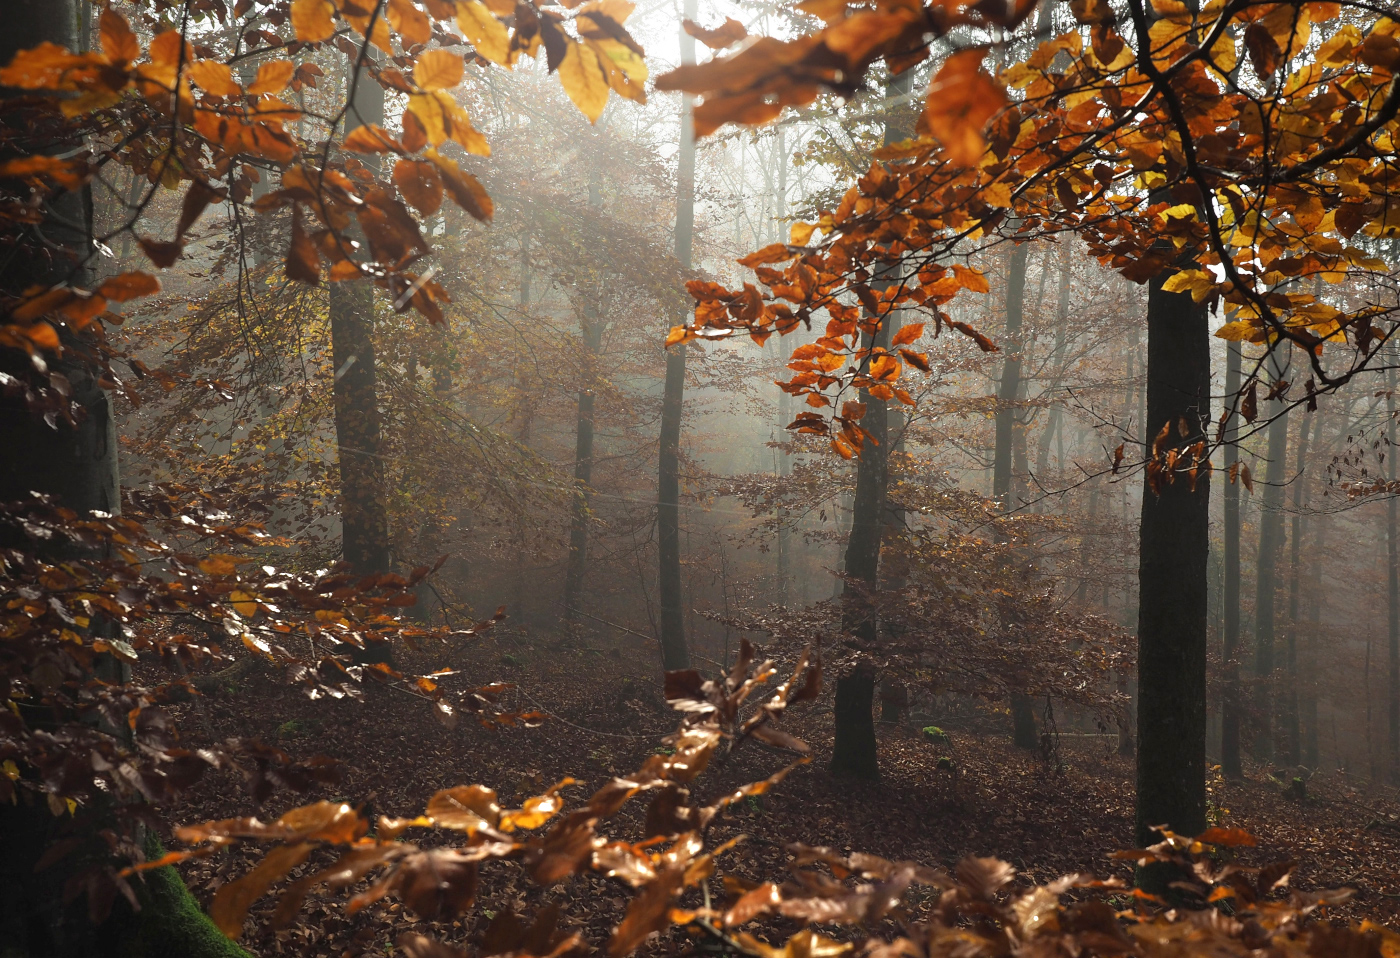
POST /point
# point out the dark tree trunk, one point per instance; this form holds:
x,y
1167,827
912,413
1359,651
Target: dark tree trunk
x,y
1392,545
1008,392
1231,705
1292,735
363,511
854,750
674,652
1175,541
1271,532
583,477
78,467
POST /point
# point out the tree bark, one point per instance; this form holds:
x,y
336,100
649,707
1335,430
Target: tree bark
x,y
363,509
1230,707
1024,733
78,467
854,751
674,653
1271,531
1392,544
1172,584
1288,714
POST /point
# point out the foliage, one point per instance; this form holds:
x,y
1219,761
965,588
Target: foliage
x,y
1152,142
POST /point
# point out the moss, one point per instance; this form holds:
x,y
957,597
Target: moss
x,y
171,924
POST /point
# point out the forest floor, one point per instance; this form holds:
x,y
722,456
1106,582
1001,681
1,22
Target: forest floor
x,y
607,715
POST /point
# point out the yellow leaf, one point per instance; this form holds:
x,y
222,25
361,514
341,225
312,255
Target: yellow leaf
x,y
214,78
1241,330
801,233
312,20
244,604
486,33
1188,281
273,77
11,769
410,23
584,80
438,70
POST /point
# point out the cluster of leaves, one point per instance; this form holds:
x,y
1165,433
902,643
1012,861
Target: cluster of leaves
x,y
1142,131
1222,906
83,598
440,882
172,109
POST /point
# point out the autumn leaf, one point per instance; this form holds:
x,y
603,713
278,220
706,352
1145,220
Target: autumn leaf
x,y
303,262
464,188
313,20
410,23
584,80
273,77
486,34
215,78
162,254
119,43
961,101
438,70
725,35
419,183
370,138
127,286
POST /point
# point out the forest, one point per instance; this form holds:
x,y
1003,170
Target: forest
x,y
753,478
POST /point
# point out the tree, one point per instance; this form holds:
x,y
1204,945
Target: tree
x,y
1158,167
674,652
1230,705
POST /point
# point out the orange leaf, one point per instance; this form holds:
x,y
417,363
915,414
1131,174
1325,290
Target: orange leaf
x,y
961,100
907,334
419,183
312,20
118,42
410,23
125,286
273,77
438,70
464,189
215,78
370,138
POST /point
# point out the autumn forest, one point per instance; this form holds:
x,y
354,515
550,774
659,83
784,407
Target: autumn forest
x,y
819,479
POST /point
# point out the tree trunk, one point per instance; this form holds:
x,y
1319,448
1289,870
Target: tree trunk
x,y
1266,584
1022,712
1292,738
674,653
1230,706
78,467
1392,544
1307,651
1175,541
363,510
854,750
592,330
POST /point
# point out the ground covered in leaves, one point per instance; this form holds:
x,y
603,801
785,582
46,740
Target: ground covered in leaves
x,y
937,801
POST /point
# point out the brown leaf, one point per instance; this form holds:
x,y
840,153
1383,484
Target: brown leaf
x,y
727,34
421,946
197,199
464,188
231,902
418,182
160,253
303,262
961,101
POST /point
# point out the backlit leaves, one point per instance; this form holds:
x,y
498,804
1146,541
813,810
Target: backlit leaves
x,y
312,20
961,100
584,80
485,33
438,70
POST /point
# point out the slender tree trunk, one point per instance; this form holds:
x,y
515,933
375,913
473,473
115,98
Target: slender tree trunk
x,y
1308,649
1175,541
854,751
363,509
674,653
1392,530
1230,706
1271,532
1292,737
592,330
1057,363
583,478
1022,712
